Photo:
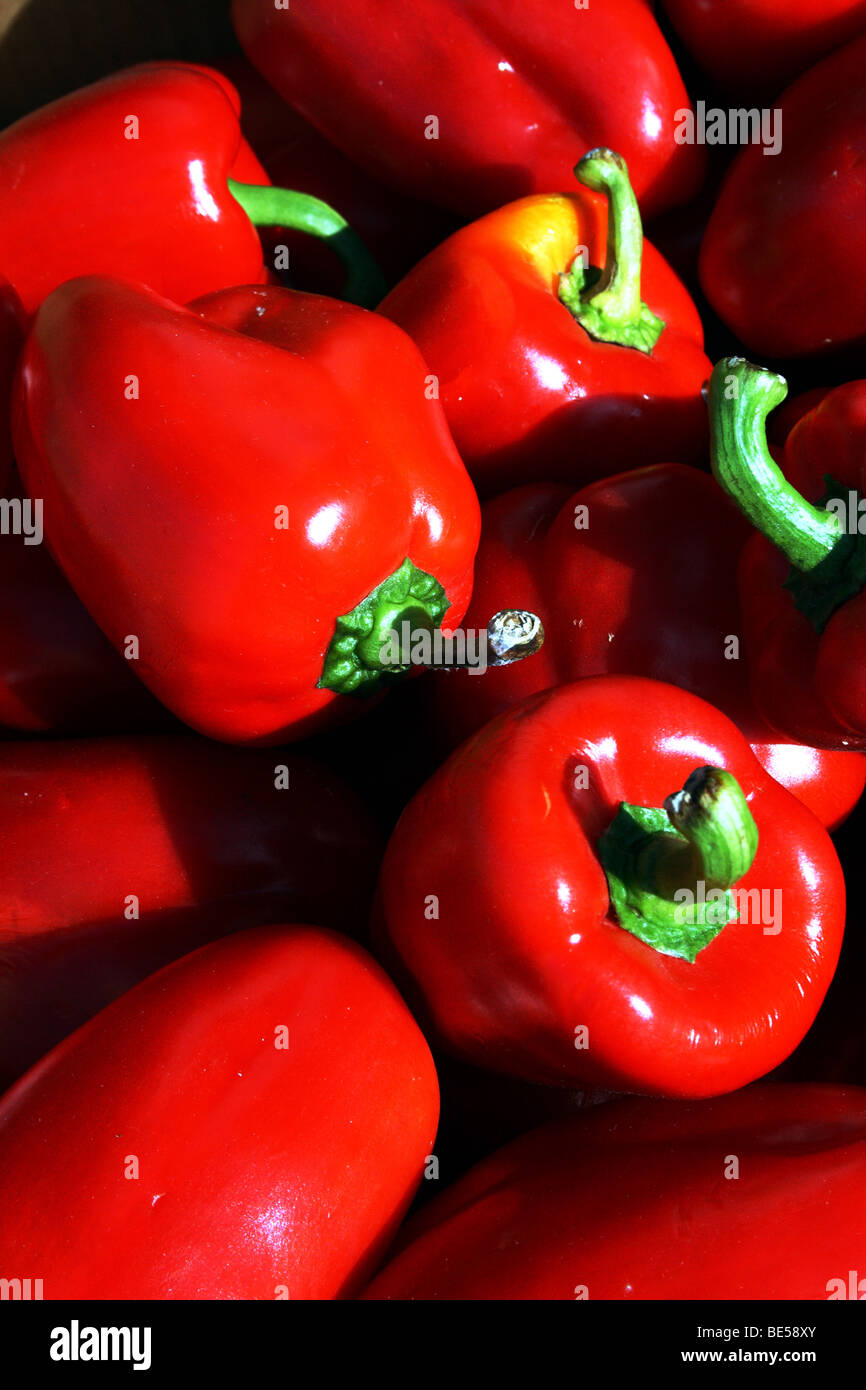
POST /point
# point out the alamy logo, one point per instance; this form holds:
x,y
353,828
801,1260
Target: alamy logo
x,y
855,1288
420,647
715,126
23,1289
755,906
511,635
76,1343
21,517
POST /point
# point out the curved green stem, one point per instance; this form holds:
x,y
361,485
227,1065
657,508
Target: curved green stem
x,y
741,398
280,207
714,816
607,304
670,870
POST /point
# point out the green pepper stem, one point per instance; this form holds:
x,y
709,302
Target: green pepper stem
x,y
281,207
356,661
713,815
741,398
656,860
609,305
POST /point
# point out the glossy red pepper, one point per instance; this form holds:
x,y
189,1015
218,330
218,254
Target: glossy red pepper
x,y
473,104
58,672
802,580
811,194
123,853
129,177
249,1123
758,1195
549,368
256,488
549,926
763,43
144,175
634,575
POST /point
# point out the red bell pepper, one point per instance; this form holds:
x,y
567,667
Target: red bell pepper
x,y
249,1123
758,1195
802,580
763,44
547,367
647,587
473,104
279,494
145,175
123,853
58,672
11,337
811,194
553,922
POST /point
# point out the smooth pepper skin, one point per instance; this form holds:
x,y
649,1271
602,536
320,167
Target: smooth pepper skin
x,y
529,395
763,43
634,1200
647,587
519,90
80,197
807,684
167,512
125,853
502,845
264,1169
811,194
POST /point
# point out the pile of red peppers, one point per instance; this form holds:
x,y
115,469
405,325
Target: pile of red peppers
x,y
433,660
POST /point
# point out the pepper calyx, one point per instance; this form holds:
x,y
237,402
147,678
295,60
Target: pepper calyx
x,y
359,659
